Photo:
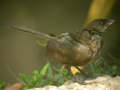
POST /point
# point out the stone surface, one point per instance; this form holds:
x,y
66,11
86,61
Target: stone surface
x,y
100,83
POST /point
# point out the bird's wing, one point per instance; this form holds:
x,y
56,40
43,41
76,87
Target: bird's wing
x,y
76,35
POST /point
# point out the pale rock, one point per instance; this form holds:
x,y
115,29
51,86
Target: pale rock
x,y
100,83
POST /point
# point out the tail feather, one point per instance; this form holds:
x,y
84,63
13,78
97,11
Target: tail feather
x,y
43,36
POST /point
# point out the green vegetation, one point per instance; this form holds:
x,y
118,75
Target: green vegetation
x,y
106,67
53,76
2,85
47,75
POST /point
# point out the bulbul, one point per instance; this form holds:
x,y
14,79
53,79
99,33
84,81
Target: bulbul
x,y
76,48
79,48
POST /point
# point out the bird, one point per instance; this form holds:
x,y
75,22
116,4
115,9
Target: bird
x,y
76,48
79,48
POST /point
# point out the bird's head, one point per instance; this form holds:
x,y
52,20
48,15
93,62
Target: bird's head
x,y
99,25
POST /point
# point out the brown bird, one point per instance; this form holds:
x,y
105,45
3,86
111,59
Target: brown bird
x,y
77,48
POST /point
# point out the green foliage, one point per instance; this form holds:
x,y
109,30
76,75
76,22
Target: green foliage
x,y
109,67
50,75
2,85
47,75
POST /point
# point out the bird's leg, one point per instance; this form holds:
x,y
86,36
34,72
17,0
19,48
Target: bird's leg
x,y
73,74
76,80
81,71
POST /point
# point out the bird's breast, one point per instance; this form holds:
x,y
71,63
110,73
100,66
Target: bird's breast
x,y
68,51
82,54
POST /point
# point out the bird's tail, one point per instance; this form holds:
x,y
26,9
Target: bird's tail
x,y
43,38
37,34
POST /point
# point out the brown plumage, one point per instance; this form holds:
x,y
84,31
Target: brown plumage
x,y
78,48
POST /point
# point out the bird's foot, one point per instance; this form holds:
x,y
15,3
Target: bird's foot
x,y
85,83
80,82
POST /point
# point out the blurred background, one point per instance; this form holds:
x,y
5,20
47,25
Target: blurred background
x,y
19,51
